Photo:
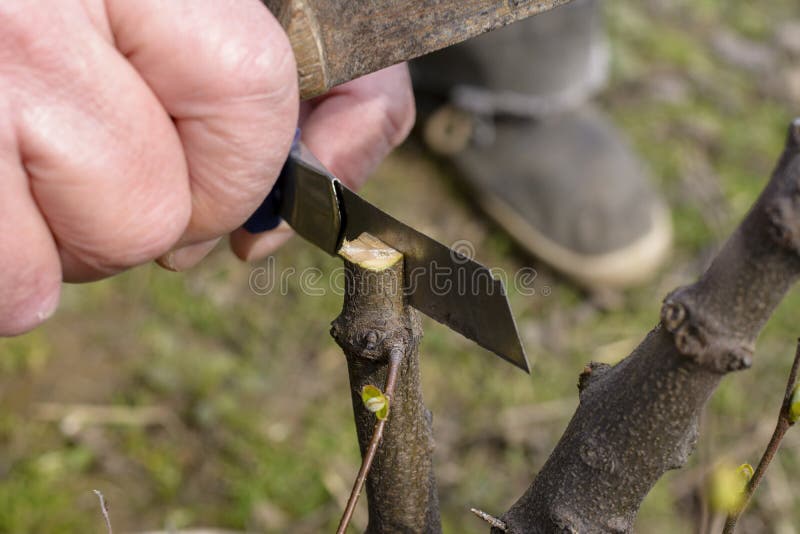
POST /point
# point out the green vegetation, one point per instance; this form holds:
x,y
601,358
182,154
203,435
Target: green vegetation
x,y
256,430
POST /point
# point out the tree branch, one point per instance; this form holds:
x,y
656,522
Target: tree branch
x,y
785,421
492,520
395,359
638,419
104,510
375,322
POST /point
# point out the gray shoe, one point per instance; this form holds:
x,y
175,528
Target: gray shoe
x,y
511,113
572,193
541,65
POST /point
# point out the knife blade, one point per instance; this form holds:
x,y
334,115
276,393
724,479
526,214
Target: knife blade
x,y
442,283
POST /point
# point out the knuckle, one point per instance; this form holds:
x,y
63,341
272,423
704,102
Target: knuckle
x,y
18,32
39,56
261,62
19,42
31,38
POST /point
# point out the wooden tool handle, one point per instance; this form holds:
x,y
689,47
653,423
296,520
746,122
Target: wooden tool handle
x,y
336,41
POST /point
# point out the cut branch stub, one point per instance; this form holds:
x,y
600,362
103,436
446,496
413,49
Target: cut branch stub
x,y
375,320
638,419
374,317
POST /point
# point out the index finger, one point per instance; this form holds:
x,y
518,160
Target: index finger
x,y
350,130
224,70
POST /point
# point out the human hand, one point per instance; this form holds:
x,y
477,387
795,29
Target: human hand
x,y
350,130
131,131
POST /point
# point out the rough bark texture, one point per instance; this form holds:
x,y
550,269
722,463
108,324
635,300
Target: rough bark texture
x,y
401,489
638,419
336,41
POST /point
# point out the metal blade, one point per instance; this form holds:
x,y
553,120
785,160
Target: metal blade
x,y
440,282
310,201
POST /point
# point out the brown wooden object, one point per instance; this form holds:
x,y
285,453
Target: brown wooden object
x,y
336,41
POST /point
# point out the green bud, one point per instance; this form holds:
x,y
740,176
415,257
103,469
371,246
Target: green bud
x,y
794,405
375,401
726,487
746,471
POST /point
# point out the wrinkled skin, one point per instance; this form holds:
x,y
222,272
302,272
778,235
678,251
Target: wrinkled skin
x,y
140,130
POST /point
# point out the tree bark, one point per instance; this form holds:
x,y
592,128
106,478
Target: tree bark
x,y
375,320
638,419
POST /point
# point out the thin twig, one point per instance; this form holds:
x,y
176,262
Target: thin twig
x,y
104,509
783,424
492,520
395,358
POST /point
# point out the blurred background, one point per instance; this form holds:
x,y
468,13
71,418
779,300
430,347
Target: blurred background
x,y
193,400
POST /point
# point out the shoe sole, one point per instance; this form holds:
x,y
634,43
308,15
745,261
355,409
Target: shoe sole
x,y
626,267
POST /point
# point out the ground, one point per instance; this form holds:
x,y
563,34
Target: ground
x,y
223,402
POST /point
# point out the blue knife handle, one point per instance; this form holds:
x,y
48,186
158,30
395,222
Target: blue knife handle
x,y
267,215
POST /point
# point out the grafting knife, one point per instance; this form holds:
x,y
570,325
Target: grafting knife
x,y
438,281
335,41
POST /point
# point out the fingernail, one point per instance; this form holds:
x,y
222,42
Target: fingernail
x,y
28,314
49,306
186,257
